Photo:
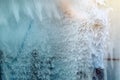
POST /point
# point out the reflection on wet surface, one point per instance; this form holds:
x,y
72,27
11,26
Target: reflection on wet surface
x,y
113,69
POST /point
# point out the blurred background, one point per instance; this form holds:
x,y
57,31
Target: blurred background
x,y
114,69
